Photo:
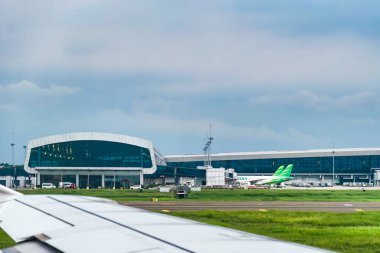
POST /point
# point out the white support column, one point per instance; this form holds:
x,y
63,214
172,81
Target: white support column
x,y
35,179
8,181
141,178
103,183
77,180
22,182
38,179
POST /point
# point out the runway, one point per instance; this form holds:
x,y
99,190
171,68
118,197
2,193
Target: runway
x,y
255,205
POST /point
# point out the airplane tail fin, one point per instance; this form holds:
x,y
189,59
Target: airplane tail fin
x,y
279,171
287,171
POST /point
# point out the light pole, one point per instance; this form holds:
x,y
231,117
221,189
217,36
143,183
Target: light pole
x,y
13,164
13,161
333,156
30,181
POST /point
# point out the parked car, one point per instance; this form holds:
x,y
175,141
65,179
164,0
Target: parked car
x,y
47,186
72,186
135,187
64,184
67,185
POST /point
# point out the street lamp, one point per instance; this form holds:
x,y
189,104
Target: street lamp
x,y
13,164
25,161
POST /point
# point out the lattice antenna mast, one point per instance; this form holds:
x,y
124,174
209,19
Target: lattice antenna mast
x,y
207,150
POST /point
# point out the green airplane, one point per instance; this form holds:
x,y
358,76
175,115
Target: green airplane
x,y
283,177
282,174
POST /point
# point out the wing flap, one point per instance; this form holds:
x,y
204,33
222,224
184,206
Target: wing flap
x,y
21,221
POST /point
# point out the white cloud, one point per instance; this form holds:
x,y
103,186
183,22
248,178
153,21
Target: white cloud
x,y
367,98
26,87
198,50
22,96
234,59
216,50
119,121
317,101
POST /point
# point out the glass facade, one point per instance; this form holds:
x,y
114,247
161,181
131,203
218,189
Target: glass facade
x,y
117,180
55,179
121,181
343,164
167,171
90,153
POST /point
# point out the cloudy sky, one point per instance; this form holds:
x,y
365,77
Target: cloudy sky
x,y
268,75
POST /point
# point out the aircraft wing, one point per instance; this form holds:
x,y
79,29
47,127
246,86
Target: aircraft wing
x,y
67,223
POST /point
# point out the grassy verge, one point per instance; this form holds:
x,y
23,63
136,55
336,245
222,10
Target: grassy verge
x,y
223,195
117,195
286,195
342,232
5,240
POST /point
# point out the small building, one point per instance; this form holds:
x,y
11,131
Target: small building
x,y
15,176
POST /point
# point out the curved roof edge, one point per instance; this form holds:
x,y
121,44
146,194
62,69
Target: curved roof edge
x,y
276,154
95,136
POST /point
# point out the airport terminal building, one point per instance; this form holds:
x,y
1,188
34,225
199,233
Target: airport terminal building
x,y
92,159
336,166
107,160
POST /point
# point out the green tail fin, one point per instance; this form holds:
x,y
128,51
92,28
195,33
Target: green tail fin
x,y
279,170
287,171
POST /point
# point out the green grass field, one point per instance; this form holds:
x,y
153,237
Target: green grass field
x,y
117,195
342,232
223,195
5,240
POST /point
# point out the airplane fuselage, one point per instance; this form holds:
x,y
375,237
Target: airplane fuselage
x,y
261,180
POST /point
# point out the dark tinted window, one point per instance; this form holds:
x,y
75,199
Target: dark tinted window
x,y
342,164
90,154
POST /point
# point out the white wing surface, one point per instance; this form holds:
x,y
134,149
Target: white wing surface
x,y
65,223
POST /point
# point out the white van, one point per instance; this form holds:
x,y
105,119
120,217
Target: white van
x,y
47,186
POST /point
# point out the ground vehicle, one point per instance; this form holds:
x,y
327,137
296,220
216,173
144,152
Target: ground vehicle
x,y
64,184
135,187
47,186
67,185
70,185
